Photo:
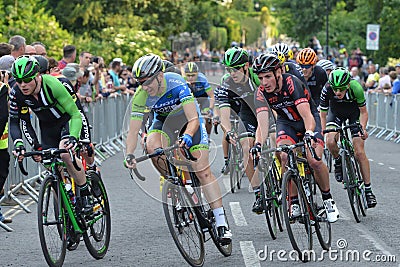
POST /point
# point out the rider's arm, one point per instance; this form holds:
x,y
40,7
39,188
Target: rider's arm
x,y
210,94
137,114
324,106
322,115
3,108
262,127
65,101
131,139
364,117
225,118
308,118
192,117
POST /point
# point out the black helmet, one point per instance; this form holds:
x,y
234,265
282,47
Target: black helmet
x,y
167,64
191,67
265,63
43,63
147,66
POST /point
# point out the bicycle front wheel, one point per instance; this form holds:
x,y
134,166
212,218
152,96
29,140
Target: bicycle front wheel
x,y
268,201
183,223
297,218
51,223
233,168
97,235
350,178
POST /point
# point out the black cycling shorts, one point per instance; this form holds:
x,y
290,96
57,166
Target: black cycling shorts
x,y
337,120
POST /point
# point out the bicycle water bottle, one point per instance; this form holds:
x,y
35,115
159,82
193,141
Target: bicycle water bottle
x,y
71,194
191,193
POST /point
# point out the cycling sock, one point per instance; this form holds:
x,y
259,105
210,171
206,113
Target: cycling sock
x,y
84,189
219,215
326,195
338,158
368,187
226,159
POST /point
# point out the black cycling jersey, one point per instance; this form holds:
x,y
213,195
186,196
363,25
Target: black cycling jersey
x,y
316,82
294,69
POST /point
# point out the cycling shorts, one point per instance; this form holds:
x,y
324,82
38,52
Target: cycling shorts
x,y
294,131
174,126
336,120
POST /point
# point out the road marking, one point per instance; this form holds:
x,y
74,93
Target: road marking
x,y
376,241
371,160
249,254
380,163
391,168
227,184
15,211
237,214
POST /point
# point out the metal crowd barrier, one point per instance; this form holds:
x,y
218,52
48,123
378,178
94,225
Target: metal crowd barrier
x,y
384,116
106,119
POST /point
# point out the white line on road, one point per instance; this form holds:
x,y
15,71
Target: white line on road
x,y
371,160
392,168
380,163
249,254
237,214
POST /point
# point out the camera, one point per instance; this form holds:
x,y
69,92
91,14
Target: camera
x,y
95,60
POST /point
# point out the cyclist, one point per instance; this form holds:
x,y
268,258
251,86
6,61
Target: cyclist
x,y
297,118
315,75
285,50
202,91
174,110
241,84
345,100
327,65
59,119
235,106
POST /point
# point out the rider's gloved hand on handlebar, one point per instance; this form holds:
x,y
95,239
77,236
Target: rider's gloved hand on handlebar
x,y
309,137
19,150
72,143
186,139
130,162
216,120
255,150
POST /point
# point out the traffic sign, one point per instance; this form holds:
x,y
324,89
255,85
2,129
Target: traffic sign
x,y
372,36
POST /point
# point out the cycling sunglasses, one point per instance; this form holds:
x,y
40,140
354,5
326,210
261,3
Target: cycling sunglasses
x,y
190,75
233,69
148,81
306,66
26,80
339,89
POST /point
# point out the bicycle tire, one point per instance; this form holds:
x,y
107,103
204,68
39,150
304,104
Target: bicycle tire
x,y
321,224
298,228
266,188
233,169
97,236
278,191
49,209
360,189
224,249
349,176
328,159
183,223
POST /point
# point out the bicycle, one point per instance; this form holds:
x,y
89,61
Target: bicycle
x,y
352,177
60,224
299,181
188,215
271,193
235,156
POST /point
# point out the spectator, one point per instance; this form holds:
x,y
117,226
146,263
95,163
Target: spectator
x,y
386,89
5,49
384,78
40,48
30,50
355,76
18,43
72,72
372,79
396,84
398,70
69,56
6,62
115,69
4,155
53,67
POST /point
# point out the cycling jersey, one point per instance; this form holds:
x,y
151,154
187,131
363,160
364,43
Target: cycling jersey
x,y
201,86
342,109
294,69
3,117
289,124
316,82
168,109
54,107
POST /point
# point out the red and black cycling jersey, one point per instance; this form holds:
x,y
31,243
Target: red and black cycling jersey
x,y
284,102
316,82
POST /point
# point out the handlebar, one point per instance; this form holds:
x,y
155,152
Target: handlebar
x,y
344,128
48,154
158,152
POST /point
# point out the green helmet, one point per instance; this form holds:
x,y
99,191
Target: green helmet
x,y
235,57
339,78
25,67
191,67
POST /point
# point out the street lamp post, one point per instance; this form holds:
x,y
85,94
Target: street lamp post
x,y
327,28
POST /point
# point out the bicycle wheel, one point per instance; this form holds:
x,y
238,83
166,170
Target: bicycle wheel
x,y
350,178
268,201
51,223
183,223
298,226
233,168
361,189
276,181
322,226
328,159
97,235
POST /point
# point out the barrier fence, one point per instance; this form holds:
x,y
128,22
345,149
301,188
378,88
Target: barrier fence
x,y
106,118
